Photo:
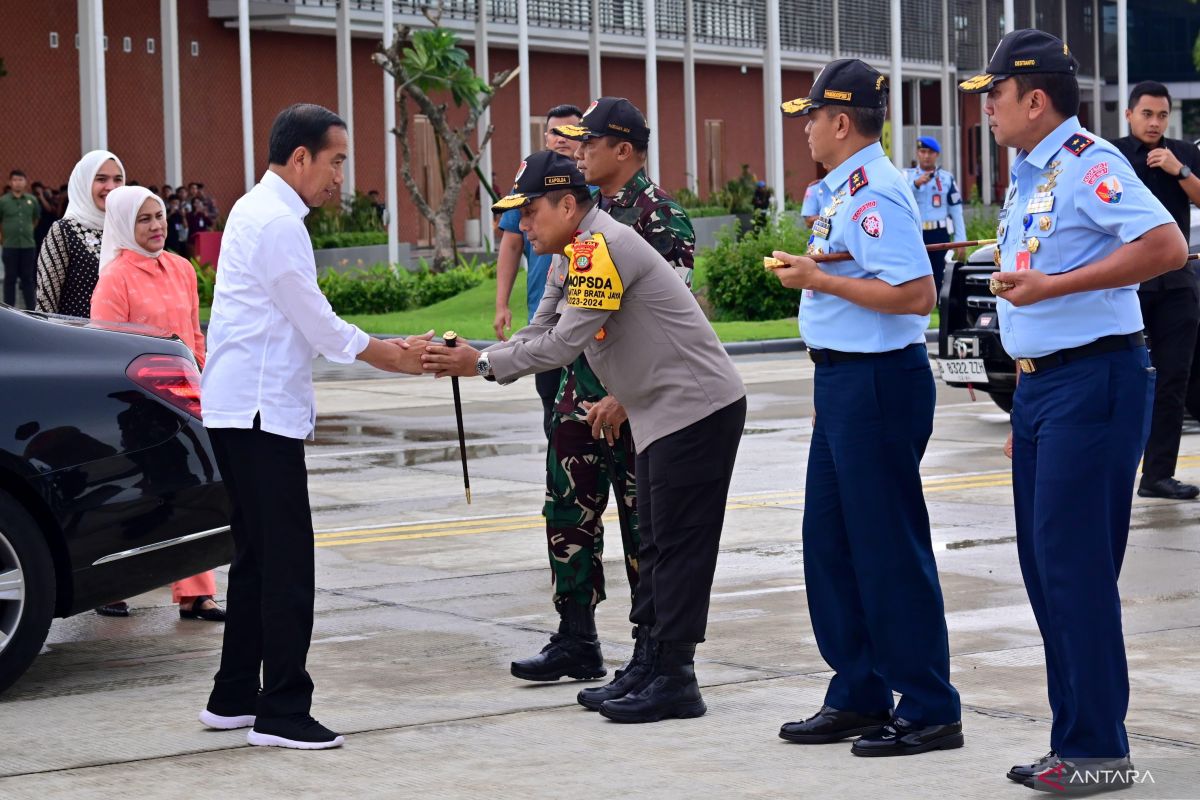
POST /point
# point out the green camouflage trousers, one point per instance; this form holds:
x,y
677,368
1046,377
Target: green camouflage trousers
x,y
579,471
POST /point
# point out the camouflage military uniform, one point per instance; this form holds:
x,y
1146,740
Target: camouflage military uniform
x,y
578,467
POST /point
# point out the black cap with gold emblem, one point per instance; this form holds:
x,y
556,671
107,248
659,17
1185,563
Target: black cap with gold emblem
x,y
1023,52
609,116
542,172
845,82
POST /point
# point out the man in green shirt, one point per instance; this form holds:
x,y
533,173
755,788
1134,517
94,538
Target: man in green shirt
x,y
19,214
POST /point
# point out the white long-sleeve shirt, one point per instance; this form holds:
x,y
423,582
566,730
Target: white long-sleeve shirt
x,y
269,319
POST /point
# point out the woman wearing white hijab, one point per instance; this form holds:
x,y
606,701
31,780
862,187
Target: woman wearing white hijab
x,y
68,261
141,282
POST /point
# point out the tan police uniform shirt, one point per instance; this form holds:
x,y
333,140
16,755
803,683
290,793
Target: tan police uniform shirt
x,y
614,298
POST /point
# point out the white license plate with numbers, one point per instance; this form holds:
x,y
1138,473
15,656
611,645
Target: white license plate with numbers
x,y
964,370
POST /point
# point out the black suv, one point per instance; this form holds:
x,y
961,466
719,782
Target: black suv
x,y
969,348
108,486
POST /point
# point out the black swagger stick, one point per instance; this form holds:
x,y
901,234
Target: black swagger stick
x,y
451,340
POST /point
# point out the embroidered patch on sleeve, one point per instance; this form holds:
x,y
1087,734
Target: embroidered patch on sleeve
x,y
1109,190
872,225
1094,174
594,281
867,206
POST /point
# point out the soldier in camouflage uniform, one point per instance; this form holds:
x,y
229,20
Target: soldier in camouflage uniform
x,y
584,459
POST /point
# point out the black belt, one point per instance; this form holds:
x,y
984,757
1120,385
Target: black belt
x,y
1105,344
823,356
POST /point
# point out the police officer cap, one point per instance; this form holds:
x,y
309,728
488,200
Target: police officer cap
x,y
542,172
1023,52
845,82
929,143
609,116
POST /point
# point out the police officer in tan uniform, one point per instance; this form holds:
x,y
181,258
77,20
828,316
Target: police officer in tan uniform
x,y
614,298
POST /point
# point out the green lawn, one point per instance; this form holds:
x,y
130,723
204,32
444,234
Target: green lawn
x,y
470,315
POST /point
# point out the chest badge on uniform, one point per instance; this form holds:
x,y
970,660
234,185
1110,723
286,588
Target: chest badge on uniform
x,y
1109,190
1040,203
593,281
821,227
1044,223
1033,244
937,201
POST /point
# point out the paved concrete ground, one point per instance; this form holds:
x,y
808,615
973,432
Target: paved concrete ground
x,y
423,602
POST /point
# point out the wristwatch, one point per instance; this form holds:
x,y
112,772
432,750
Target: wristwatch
x,y
1184,172
483,367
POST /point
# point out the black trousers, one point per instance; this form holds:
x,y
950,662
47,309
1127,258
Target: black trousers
x,y
682,486
20,263
547,389
1172,317
937,260
271,583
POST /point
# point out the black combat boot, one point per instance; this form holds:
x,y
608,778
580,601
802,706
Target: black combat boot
x,y
670,692
628,678
573,652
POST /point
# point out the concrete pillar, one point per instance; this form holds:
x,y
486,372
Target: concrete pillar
x,y
985,135
523,77
247,104
345,81
689,97
1097,103
93,101
391,188
594,80
172,124
837,33
653,168
1122,63
482,69
949,145
897,89
773,89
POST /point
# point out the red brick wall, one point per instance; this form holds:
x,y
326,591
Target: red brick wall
x,y
43,83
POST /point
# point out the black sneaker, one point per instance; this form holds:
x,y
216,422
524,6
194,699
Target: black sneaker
x,y
299,733
226,722
1168,489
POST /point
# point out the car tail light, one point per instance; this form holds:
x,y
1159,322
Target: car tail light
x,y
170,378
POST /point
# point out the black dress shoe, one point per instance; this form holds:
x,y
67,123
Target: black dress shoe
x,y
118,609
900,737
831,725
630,678
573,652
198,611
1168,489
1079,777
1023,772
671,693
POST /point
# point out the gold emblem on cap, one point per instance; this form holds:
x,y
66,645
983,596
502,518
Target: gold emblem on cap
x,y
796,106
510,201
832,94
879,82
572,131
976,82
1033,244
1044,223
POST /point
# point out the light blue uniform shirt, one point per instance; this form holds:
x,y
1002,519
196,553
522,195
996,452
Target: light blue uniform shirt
x,y
877,224
939,199
812,200
1096,204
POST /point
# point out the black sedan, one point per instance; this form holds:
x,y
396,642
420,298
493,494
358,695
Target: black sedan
x,y
108,486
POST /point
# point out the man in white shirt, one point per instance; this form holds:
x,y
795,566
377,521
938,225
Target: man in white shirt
x,y
269,320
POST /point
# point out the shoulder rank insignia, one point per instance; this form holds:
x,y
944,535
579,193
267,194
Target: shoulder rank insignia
x,y
593,281
1077,144
858,179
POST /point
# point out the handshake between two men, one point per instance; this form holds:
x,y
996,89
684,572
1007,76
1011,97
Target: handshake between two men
x,y
417,354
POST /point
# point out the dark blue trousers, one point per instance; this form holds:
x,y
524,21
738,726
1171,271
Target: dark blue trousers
x,y
1078,433
872,583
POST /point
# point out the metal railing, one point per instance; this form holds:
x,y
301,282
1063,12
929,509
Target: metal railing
x,y
806,26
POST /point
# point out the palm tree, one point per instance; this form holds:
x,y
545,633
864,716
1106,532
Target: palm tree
x,y
427,62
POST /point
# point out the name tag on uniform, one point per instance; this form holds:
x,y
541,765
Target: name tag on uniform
x,y
1022,260
1040,203
821,227
937,201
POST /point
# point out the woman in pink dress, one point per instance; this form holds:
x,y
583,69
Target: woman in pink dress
x,y
141,282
